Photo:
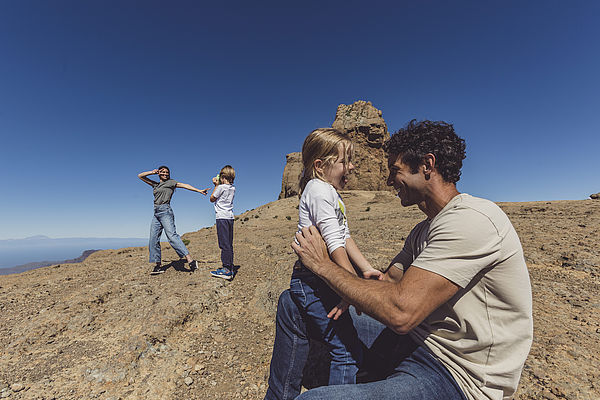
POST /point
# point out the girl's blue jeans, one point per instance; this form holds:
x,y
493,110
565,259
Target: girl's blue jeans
x,y
395,366
164,218
315,299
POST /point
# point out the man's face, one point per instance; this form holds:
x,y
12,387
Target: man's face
x,y
409,185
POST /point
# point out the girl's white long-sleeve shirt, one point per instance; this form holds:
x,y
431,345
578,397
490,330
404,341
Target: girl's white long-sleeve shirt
x,y
322,206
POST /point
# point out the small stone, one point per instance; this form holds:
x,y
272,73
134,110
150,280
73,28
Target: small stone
x,y
188,381
199,367
17,387
213,383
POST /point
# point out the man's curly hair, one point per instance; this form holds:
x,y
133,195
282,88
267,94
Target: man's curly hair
x,y
417,139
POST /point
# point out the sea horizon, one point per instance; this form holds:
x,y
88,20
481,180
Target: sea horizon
x,y
40,248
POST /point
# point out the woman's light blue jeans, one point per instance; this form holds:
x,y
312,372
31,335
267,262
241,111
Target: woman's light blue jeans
x,y
394,366
164,219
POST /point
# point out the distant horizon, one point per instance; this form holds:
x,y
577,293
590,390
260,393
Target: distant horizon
x,y
208,226
16,252
41,236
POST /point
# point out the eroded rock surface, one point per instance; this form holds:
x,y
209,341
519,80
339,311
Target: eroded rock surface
x,y
364,124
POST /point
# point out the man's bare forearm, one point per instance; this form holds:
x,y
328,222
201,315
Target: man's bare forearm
x,y
376,298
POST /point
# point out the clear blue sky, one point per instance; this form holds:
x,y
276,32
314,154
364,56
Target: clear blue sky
x,y
94,92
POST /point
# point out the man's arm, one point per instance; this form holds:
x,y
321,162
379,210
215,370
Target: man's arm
x,y
400,305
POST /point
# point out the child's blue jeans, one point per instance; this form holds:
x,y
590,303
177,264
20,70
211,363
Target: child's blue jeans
x,y
315,299
225,236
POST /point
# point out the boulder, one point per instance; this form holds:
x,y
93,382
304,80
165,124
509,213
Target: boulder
x,y
595,196
363,123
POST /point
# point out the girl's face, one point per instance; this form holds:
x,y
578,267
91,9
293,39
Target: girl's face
x,y
337,173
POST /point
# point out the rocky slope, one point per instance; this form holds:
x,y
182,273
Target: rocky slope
x,y
105,329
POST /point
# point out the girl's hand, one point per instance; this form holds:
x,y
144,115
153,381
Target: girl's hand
x,y
204,191
154,171
215,181
338,310
373,274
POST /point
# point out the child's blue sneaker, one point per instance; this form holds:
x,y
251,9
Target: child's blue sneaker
x,y
222,273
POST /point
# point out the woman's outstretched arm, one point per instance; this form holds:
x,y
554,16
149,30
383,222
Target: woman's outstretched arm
x,y
190,187
143,176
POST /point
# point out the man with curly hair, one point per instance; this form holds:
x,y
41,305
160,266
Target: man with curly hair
x,y
452,318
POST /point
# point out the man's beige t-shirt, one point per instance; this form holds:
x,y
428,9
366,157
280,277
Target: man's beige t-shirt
x,y
484,333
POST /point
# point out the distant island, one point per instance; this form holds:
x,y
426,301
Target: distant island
x,y
39,264
17,255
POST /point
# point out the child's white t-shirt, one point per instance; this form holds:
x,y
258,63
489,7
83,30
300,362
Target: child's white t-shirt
x,y
224,194
322,206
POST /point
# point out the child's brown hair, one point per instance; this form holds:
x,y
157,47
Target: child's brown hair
x,y
228,173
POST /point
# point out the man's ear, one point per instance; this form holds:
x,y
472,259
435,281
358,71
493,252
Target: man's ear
x,y
428,164
318,165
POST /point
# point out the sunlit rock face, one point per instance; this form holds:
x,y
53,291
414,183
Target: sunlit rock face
x,y
365,126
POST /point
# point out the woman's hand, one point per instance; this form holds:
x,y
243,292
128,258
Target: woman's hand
x,y
203,191
154,172
215,181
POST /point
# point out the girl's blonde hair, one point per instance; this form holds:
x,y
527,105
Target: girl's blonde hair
x,y
228,173
323,144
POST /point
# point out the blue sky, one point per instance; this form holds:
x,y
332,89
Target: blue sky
x,y
94,92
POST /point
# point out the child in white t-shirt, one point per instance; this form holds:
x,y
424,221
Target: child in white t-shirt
x,y
222,196
326,157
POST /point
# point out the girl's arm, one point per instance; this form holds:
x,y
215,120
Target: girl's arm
x,y
143,175
190,187
340,257
360,261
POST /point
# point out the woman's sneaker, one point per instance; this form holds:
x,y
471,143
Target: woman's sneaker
x,y
222,273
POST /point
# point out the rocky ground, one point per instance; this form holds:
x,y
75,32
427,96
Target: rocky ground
x,y
106,329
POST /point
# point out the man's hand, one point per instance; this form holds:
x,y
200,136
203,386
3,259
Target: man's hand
x,y
311,249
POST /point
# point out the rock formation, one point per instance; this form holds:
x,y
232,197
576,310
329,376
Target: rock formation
x,y
366,128
291,175
595,196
